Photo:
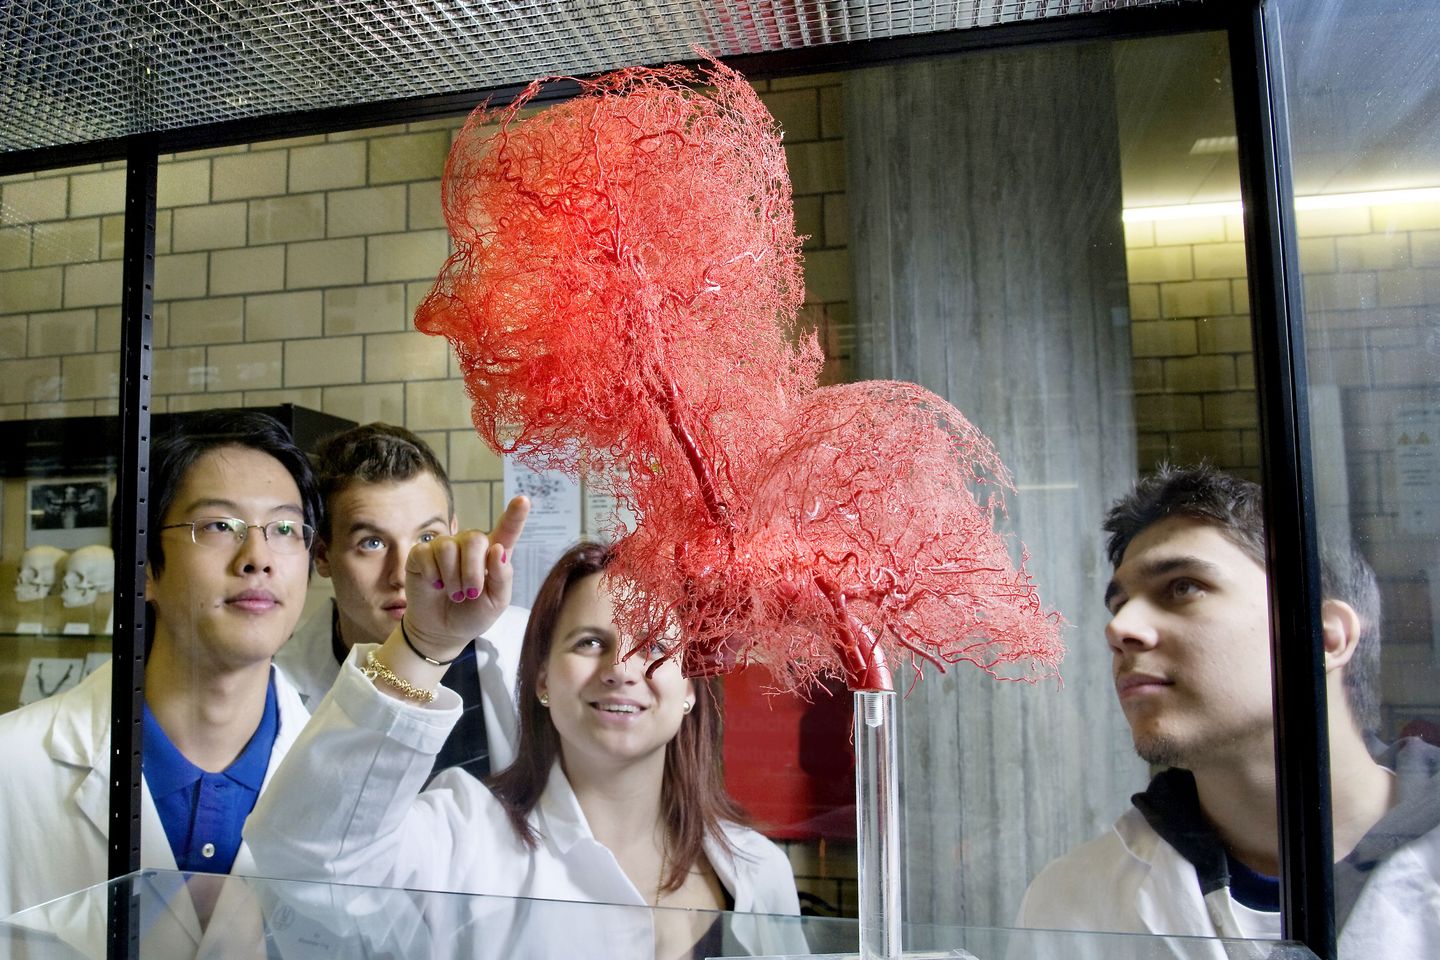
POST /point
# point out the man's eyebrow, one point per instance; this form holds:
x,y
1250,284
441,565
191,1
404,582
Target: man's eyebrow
x,y
231,508
370,526
1162,567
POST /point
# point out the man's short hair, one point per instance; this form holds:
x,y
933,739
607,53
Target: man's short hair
x,y
174,453
1233,506
373,453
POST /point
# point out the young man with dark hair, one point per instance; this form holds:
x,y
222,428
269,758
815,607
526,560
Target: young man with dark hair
x,y
1189,635
231,520
384,491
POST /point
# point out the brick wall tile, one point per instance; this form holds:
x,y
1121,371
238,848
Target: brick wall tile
x,y
1154,264
190,402
210,227
37,289
245,175
810,220
1409,288
1345,368
373,309
1332,223
14,411
181,276
1196,298
1220,447
1139,234
215,320
180,370
92,284
245,366
416,156
1190,230
30,201
832,112
1224,335
1144,301
1235,228
13,334
282,316
371,210
837,220
1219,260
1245,372
1341,291
473,504
1240,296
30,381
406,256
1163,338
287,219
325,263
1147,375
328,360
56,411
248,270
69,331
1168,411
405,356
288,143
1404,368
827,275
367,403
798,112
1425,248
96,193
183,183
1375,251
66,241
329,167
90,375
15,247
436,405
425,209
1200,374
817,167
107,329
472,459
1231,410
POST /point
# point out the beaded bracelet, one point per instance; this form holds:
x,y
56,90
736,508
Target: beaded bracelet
x,y
374,670
405,635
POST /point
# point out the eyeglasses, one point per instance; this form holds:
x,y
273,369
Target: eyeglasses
x,y
284,536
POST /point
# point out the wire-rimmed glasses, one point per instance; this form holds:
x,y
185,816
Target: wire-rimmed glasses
x,y
284,536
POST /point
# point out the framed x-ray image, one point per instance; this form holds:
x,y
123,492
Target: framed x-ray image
x,y
67,513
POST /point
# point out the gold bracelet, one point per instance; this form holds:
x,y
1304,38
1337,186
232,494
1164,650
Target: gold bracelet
x,y
374,670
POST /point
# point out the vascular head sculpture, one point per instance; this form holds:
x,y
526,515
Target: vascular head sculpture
x,y
623,302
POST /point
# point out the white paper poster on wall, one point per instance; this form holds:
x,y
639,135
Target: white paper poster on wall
x,y
602,512
553,526
1416,446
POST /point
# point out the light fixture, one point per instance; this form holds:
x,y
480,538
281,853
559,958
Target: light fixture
x,y
1322,201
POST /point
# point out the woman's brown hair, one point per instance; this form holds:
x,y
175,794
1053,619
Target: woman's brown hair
x,y
693,800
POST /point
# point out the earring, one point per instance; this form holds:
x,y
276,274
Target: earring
x,y
544,699
687,707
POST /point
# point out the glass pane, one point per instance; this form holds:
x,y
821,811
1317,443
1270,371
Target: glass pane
x,y
60,248
1365,132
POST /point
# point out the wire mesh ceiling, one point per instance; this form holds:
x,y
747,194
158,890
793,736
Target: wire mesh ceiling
x,y
73,71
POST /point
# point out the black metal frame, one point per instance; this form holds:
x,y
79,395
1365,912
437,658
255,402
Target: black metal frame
x,y
1301,749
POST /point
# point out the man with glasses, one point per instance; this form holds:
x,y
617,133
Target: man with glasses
x,y
1199,851
232,514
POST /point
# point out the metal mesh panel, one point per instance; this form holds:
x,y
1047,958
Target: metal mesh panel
x,y
74,71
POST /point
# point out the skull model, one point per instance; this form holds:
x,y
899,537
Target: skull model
x,y
91,573
40,567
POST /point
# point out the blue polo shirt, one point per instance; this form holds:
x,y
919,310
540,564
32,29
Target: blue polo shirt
x,y
204,812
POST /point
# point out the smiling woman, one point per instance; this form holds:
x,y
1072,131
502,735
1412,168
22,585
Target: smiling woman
x,y
615,796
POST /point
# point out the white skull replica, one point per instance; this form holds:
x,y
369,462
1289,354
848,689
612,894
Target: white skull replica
x,y
91,573
40,568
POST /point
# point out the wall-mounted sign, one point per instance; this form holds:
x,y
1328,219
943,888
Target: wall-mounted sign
x,y
1416,446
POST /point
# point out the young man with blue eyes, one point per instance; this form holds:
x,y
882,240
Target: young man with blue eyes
x,y
231,520
384,490
1198,852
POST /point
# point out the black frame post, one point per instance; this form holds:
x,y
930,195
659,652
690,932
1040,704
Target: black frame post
x,y
1292,545
132,509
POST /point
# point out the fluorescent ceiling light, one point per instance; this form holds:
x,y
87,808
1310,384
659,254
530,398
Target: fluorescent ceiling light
x,y
1323,201
1214,145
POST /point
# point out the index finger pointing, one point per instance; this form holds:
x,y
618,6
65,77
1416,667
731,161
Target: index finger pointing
x,y
512,522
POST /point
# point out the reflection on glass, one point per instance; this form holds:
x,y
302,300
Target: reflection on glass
x,y
1365,135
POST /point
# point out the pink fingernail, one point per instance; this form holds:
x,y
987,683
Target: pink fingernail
x,y
439,584
458,595
504,555
473,592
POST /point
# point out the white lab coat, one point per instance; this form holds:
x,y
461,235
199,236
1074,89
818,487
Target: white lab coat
x,y
308,659
348,808
1132,881
55,794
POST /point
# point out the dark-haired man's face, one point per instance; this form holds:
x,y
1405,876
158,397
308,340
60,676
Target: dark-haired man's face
x,y
372,528
222,603
1189,637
